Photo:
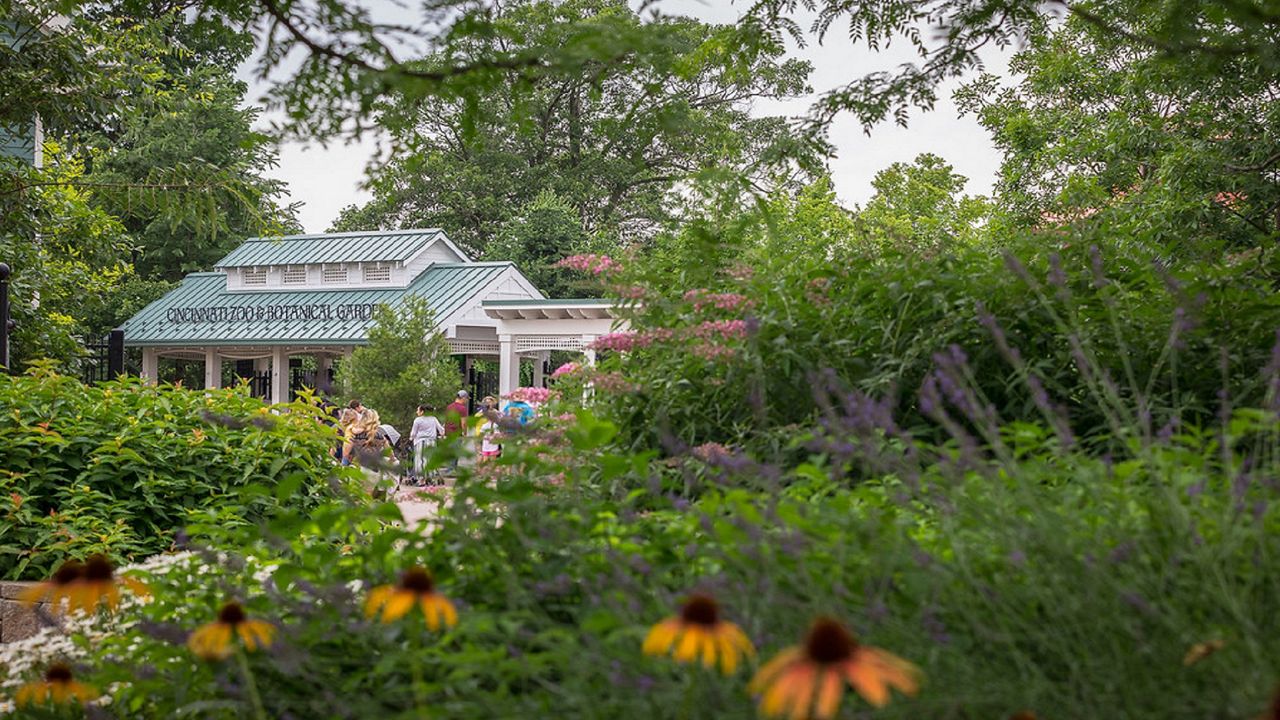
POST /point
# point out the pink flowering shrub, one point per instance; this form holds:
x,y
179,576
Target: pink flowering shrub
x,y
566,369
590,263
532,395
716,330
630,292
703,299
621,341
710,452
613,383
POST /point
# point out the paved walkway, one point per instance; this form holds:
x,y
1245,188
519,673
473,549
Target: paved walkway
x,y
421,505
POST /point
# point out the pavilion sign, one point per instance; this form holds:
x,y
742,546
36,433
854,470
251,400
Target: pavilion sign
x,y
270,313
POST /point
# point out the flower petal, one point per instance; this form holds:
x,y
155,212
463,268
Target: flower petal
x,y
765,675
831,687
35,594
729,652
866,679
660,637
376,598
803,696
690,641
397,606
895,671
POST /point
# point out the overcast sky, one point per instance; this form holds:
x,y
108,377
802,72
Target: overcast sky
x,y
327,179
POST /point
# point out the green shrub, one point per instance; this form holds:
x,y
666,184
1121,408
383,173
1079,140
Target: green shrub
x,y
1168,341
1046,580
118,468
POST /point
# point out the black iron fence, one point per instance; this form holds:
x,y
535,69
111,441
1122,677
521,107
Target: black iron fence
x,y
104,359
481,383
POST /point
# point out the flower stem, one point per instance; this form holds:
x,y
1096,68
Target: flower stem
x,y
250,686
419,696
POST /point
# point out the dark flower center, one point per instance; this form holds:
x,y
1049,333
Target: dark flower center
x,y
231,614
98,569
69,572
417,581
829,642
700,610
57,673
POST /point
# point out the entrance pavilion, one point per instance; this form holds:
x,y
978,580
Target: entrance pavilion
x,y
272,299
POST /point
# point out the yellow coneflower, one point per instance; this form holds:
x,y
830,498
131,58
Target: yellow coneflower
x,y
699,632
214,640
808,680
416,587
100,584
85,585
58,587
59,686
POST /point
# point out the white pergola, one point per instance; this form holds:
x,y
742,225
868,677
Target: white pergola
x,y
535,327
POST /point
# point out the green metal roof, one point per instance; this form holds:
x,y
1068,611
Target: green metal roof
x,y
201,312
544,302
370,246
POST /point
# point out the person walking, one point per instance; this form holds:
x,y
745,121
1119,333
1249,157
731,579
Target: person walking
x,y
455,420
424,433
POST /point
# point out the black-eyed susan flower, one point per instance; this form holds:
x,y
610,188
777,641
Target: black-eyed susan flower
x,y
416,588
100,584
808,680
85,585
215,640
699,632
58,587
58,686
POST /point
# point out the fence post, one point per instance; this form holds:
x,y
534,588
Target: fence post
x,y
5,323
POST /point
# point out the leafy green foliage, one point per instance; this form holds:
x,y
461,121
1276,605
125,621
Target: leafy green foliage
x,y
120,467
1167,340
1161,150
74,264
538,236
918,206
1037,579
406,362
613,137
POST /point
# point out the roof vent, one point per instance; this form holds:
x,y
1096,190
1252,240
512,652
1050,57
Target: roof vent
x,y
334,274
295,274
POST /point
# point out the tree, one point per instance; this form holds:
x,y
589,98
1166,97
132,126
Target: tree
x,y
65,255
1165,151
918,206
405,363
541,233
615,140
148,157
189,119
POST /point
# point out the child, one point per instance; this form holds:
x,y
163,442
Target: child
x,y
489,434
426,430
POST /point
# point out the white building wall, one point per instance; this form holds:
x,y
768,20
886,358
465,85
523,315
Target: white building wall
x,y
437,251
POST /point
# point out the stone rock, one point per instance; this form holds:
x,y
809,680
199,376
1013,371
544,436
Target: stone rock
x,y
10,589
17,621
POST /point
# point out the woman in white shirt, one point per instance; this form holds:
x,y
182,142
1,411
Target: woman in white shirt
x,y
426,430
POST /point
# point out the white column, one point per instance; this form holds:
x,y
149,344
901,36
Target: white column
x,y
212,369
324,362
261,364
150,365
279,375
508,365
538,361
